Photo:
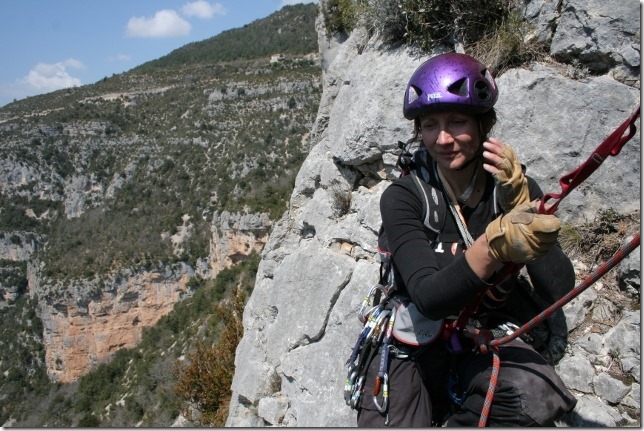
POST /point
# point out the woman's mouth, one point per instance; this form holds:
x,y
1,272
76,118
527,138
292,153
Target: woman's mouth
x,y
448,154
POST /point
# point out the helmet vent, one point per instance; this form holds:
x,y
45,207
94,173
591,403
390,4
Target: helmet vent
x,y
486,73
413,93
482,90
459,88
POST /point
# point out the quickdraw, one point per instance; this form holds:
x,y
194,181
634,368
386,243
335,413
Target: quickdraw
x,y
376,337
378,322
383,375
611,146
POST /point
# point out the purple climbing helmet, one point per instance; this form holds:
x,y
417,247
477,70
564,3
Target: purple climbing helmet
x,y
450,80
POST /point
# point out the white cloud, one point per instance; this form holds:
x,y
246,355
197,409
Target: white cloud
x,y
203,9
73,63
49,77
43,78
165,23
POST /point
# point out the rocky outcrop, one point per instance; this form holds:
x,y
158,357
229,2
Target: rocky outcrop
x,y
87,325
235,236
16,246
300,322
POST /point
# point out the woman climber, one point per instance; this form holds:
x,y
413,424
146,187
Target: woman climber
x,y
447,267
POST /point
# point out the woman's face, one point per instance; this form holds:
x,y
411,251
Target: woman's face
x,y
451,137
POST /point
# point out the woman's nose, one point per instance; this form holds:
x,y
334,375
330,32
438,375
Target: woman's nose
x,y
444,137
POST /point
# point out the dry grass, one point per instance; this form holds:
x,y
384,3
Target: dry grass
x,y
493,31
596,241
508,46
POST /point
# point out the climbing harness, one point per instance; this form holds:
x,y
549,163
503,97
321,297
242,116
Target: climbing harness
x,y
388,316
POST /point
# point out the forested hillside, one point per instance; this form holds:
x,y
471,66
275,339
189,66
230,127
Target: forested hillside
x,y
127,176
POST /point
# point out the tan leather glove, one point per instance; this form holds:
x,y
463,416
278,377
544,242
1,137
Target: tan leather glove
x,y
510,180
522,235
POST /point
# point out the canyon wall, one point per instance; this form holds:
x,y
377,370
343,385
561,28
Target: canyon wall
x,y
85,321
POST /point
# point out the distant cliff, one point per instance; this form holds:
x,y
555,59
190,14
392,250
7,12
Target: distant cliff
x,y
85,321
300,323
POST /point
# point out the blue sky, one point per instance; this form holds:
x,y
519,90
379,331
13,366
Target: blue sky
x,y
52,44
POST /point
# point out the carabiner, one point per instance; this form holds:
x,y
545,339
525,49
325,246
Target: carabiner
x,y
365,309
381,322
509,328
385,393
350,384
357,391
452,383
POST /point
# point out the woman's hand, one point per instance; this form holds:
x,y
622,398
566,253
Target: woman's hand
x,y
522,235
503,164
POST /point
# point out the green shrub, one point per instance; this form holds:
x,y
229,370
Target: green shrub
x,y
341,16
204,381
89,421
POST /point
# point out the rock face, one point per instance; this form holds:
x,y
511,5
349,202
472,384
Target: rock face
x,y
86,325
235,236
84,330
15,250
300,322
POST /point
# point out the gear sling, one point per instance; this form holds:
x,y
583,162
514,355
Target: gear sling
x,y
386,314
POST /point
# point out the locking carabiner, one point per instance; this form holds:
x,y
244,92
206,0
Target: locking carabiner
x,y
385,393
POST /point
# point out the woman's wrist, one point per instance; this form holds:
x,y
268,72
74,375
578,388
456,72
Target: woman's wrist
x,y
480,259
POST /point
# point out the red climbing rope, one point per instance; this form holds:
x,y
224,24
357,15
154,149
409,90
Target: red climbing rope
x,y
489,397
493,345
611,146
589,281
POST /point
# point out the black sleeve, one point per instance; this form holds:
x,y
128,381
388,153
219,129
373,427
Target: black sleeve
x,y
535,190
437,292
553,275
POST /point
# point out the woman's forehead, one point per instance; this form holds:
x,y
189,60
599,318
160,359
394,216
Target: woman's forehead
x,y
445,114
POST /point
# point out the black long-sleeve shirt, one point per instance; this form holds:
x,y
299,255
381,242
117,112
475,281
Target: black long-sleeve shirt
x,y
435,274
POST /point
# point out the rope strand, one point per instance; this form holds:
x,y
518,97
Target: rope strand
x,y
494,344
619,255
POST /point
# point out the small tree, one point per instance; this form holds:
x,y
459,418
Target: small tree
x,y
206,378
